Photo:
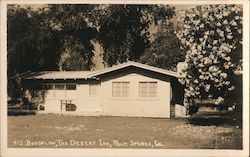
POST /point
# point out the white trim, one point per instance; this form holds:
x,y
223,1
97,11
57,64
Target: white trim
x,y
147,97
135,64
121,89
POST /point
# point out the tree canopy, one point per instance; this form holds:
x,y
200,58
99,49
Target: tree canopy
x,y
31,43
71,21
124,30
60,36
164,51
37,39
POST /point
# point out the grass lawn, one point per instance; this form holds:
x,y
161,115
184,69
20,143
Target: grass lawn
x,y
57,131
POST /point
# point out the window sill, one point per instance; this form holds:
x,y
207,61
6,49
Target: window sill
x,y
148,99
121,98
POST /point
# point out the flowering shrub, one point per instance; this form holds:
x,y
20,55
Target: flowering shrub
x,y
212,35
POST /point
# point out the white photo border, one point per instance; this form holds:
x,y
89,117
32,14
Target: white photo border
x,y
5,151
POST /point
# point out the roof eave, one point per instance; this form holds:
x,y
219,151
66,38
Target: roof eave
x,y
139,65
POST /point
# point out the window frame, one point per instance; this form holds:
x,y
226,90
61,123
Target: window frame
x,y
64,89
147,93
70,84
60,84
121,88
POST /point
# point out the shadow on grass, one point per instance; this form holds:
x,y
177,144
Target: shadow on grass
x,y
218,121
20,112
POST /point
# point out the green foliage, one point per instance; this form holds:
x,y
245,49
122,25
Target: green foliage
x,y
74,62
164,52
124,30
73,24
32,45
37,39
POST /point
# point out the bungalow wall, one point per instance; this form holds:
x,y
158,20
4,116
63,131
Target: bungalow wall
x,y
156,105
134,105
87,103
96,97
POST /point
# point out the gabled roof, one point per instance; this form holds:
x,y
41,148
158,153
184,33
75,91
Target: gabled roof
x,y
134,64
94,74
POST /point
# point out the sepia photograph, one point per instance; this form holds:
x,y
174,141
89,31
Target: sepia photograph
x,y
120,76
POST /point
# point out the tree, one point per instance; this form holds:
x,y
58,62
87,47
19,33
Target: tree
x,y
32,45
20,49
124,31
37,39
212,35
75,26
73,61
164,52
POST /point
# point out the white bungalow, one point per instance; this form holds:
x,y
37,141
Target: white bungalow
x,y
129,89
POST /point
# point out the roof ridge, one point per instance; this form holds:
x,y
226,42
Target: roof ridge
x,y
129,63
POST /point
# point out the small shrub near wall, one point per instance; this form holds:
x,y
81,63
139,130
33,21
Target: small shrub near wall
x,y
33,99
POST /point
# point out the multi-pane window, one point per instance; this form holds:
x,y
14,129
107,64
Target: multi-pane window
x,y
59,87
120,89
60,90
147,89
70,87
94,89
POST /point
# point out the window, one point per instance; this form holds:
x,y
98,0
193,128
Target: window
x,y
59,87
70,87
147,89
120,89
94,89
61,90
